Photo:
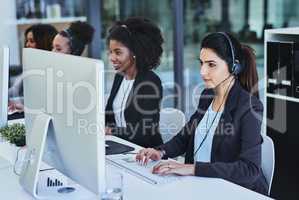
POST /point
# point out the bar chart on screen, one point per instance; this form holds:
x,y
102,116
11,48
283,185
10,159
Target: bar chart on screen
x,y
53,183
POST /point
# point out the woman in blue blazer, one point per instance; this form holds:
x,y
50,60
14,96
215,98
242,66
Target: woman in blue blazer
x,y
222,138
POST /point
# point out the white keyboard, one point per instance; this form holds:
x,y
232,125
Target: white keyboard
x,y
128,163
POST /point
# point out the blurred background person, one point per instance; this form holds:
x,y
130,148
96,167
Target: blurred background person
x,y
40,36
73,39
37,36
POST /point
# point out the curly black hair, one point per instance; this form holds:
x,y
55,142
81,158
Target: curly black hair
x,y
43,35
80,34
142,37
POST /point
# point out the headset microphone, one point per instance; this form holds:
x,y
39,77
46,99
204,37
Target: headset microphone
x,y
223,80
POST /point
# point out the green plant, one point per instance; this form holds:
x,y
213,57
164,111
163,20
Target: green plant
x,y
14,134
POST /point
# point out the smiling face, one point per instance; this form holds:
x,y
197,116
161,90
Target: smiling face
x,y
61,44
213,69
120,56
30,42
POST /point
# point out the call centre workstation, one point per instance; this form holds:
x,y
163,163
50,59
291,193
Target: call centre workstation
x,y
137,100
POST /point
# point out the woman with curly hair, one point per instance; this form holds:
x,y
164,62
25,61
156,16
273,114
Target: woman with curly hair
x,y
73,39
133,107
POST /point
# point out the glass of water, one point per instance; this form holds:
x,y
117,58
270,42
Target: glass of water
x,y
114,187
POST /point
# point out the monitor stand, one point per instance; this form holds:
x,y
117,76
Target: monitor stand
x,y
33,159
30,178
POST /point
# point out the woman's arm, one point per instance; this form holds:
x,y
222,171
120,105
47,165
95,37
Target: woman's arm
x,y
179,143
247,168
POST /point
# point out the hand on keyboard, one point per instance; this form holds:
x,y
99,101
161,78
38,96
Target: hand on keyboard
x,y
145,155
144,172
173,167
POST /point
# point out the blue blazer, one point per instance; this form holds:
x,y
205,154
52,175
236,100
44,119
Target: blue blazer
x,y
236,147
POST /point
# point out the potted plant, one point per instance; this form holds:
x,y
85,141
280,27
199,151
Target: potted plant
x,y
14,134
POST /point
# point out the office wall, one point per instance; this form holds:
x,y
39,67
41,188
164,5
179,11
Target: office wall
x,y
8,29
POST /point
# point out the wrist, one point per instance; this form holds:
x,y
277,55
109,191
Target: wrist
x,y
108,131
162,153
192,170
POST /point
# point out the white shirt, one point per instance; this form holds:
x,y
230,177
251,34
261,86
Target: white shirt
x,y
204,153
120,101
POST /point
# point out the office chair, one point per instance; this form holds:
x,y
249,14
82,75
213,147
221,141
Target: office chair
x,y
268,160
172,121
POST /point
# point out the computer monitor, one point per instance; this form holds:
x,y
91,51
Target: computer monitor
x,y
4,68
64,118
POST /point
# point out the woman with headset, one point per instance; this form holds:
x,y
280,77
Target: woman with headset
x,y
73,39
222,138
133,107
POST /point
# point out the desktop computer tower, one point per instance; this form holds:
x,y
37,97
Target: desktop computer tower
x,y
282,127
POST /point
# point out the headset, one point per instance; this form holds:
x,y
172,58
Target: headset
x,y
236,68
76,45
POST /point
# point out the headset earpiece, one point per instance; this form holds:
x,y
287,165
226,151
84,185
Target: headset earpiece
x,y
236,67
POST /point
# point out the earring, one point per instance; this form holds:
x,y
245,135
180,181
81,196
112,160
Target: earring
x,y
134,57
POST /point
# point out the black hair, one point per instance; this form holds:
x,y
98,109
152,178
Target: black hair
x,y
142,37
243,53
43,35
80,34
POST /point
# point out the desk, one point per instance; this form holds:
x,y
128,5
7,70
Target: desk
x,y
188,188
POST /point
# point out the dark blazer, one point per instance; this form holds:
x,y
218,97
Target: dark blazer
x,y
142,112
236,147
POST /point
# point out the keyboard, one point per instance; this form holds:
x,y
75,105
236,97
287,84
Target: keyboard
x,y
128,163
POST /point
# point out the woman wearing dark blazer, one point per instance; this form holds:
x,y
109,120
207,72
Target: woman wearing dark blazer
x,y
222,138
133,107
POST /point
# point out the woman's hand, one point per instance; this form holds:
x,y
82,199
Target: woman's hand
x,y
144,155
15,106
108,130
172,167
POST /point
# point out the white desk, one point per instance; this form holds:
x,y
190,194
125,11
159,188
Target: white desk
x,y
135,189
